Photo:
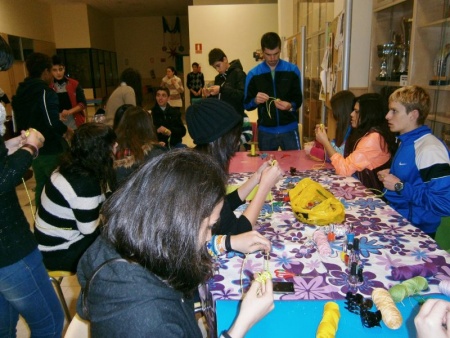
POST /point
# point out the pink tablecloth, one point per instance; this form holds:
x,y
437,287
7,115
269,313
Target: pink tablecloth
x,y
298,159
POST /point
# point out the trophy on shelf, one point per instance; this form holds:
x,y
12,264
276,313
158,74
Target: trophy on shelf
x,y
394,55
406,28
441,67
383,67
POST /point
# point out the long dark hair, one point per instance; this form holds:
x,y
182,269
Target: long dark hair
x,y
119,114
133,79
342,106
91,154
6,55
372,111
155,217
135,130
223,148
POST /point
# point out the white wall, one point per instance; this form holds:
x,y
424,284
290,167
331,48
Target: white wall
x,y
71,25
29,19
360,41
139,43
360,46
286,18
101,30
236,29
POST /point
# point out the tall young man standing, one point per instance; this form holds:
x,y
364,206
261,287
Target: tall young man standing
x,y
418,183
229,86
36,105
274,87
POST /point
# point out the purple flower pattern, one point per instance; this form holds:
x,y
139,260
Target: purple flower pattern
x,y
386,239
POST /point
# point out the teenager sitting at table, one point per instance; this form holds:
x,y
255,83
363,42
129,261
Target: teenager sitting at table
x,y
67,221
418,182
137,141
370,146
151,255
341,107
167,120
215,128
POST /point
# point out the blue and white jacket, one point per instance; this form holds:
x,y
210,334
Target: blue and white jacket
x,y
422,163
284,85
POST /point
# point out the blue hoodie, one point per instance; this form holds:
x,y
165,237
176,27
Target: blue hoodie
x,y
422,163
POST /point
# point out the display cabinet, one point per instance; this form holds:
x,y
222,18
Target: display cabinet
x,y
410,44
95,69
314,15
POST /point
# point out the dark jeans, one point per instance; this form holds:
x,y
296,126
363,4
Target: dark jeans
x,y
286,141
25,289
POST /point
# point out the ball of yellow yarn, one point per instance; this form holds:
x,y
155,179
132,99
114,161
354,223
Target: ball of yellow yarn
x,y
330,320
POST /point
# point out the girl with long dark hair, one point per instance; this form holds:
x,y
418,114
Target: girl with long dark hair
x,y
68,220
370,145
151,256
137,141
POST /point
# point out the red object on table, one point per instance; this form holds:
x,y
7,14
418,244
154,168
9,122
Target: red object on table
x,y
298,159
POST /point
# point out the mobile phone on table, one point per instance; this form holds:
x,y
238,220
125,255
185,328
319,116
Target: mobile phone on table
x,y
283,287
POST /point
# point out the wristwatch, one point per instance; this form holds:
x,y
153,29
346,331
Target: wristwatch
x,y
398,187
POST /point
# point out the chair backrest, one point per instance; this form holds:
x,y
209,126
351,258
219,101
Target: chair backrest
x,y
443,233
78,328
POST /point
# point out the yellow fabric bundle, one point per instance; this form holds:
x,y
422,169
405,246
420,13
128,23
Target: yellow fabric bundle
x,y
313,204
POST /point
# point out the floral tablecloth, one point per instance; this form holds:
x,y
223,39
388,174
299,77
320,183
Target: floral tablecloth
x,y
386,240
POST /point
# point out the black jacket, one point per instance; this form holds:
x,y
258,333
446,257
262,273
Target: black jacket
x,y
127,300
232,86
229,224
36,106
171,119
16,239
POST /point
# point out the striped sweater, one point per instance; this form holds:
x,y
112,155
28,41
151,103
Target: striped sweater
x,y
70,211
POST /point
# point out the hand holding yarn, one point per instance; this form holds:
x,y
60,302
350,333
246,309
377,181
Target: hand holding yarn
x,y
270,176
249,242
258,302
32,136
282,105
261,98
433,319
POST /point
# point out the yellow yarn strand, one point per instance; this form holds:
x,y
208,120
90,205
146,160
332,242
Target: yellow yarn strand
x,y
262,276
378,193
29,198
268,103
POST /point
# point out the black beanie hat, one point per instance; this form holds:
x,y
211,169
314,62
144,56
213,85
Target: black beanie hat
x,y
210,119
